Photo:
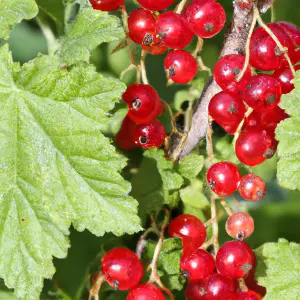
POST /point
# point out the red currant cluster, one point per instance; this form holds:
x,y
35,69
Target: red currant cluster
x,y
256,141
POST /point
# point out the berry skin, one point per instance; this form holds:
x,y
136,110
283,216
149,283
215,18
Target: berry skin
x,y
262,92
218,286
106,5
292,31
284,76
146,291
173,30
198,265
122,269
235,259
206,19
181,66
227,70
249,295
252,187
240,225
223,178
264,53
124,138
141,24
143,103
195,290
155,5
190,229
226,109
253,145
149,135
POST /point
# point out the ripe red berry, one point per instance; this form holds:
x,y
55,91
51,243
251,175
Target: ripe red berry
x,y
197,265
146,291
223,178
252,187
181,66
106,5
141,24
195,290
252,284
155,5
235,259
154,45
173,29
226,109
206,19
292,31
262,92
253,146
264,53
231,129
285,76
122,269
218,286
143,103
227,70
240,225
249,295
190,229
149,135
124,138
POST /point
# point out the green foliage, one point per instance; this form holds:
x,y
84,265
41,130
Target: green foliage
x,y
13,12
91,29
287,133
278,269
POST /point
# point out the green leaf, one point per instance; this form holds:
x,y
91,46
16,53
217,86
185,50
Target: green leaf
x,y
57,168
287,133
54,9
91,28
7,296
13,12
190,166
278,269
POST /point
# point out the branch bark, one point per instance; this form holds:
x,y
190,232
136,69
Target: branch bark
x,y
235,42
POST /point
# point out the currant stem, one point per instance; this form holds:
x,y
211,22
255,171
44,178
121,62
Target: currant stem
x,y
207,244
238,131
94,291
242,285
143,67
173,118
198,48
284,50
129,68
141,244
226,206
247,46
180,6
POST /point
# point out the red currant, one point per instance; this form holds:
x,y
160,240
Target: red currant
x,y
124,138
141,25
181,66
173,30
262,92
240,225
227,70
264,53
197,265
106,5
146,291
252,284
285,76
206,19
292,31
190,229
195,290
226,109
149,135
143,103
122,269
223,178
218,286
235,259
252,187
155,5
252,146
231,129
154,45
249,295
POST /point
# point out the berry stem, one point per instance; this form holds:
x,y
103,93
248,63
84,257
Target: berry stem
x,y
198,48
199,59
247,46
238,131
141,244
226,206
143,67
242,285
207,244
129,68
154,277
180,6
276,40
94,291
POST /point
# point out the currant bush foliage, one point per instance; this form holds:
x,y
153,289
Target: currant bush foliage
x,y
287,133
279,269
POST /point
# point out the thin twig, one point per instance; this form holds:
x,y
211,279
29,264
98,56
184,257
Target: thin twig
x,y
239,129
198,48
282,49
141,244
202,66
143,67
180,6
226,206
94,291
129,68
207,244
